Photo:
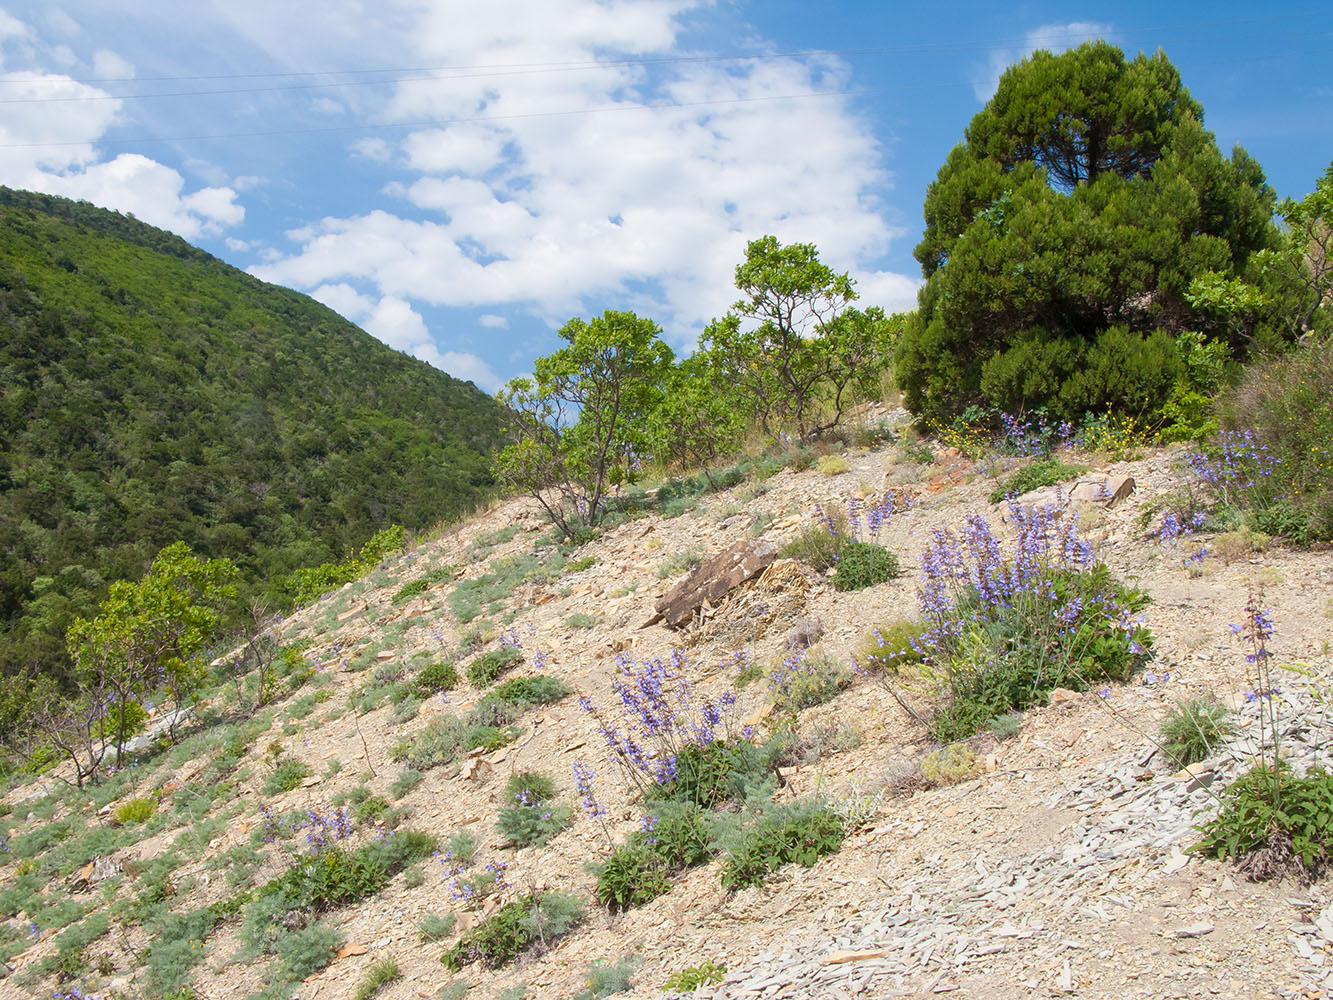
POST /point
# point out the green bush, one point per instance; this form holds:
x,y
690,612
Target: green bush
x,y
606,978
410,590
378,976
579,565
484,670
1018,652
434,678
1274,824
1047,472
580,620
864,564
675,838
807,679
891,647
536,690
1286,402
138,810
371,808
1194,730
286,775
446,739
680,562
689,980
531,923
710,774
802,833
532,818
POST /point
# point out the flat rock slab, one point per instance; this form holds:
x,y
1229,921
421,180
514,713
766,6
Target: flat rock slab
x,y
713,579
1106,490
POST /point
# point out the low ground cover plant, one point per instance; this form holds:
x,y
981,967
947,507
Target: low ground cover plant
x,y
486,669
1045,472
1195,729
530,924
533,816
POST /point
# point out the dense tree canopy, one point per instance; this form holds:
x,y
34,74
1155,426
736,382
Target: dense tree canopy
x,y
1063,235
149,393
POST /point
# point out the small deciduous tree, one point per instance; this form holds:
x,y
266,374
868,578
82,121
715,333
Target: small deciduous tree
x,y
147,638
1298,274
580,422
791,347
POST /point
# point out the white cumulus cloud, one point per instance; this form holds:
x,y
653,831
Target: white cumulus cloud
x,y
643,197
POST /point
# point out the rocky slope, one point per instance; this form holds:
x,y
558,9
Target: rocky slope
x,y
1061,870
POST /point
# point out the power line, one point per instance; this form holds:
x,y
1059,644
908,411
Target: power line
x,y
613,108
484,70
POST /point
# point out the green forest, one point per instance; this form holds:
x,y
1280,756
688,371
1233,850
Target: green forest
x,y
150,393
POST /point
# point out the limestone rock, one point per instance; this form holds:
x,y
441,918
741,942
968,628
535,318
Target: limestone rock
x,y
1105,490
713,579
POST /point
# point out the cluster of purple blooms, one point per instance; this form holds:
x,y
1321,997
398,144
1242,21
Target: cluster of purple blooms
x,y
71,993
1238,463
470,888
323,830
526,799
513,637
662,717
967,577
583,784
1174,527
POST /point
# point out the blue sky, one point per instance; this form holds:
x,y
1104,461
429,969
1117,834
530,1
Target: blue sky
x,y
461,178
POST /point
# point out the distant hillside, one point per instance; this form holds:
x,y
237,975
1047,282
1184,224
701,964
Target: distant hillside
x,y
149,392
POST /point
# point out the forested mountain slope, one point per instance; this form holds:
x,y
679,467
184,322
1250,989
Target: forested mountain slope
x,y
149,392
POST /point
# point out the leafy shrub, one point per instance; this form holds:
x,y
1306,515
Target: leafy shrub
x,y
891,647
434,678
1047,472
138,810
371,808
688,980
484,670
1010,630
605,977
446,739
914,453
1273,823
533,922
949,765
864,564
672,839
806,679
1285,401
579,565
536,690
802,833
1194,730
307,585
532,819
632,875
378,976
832,465
286,775
709,774
580,620
410,590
